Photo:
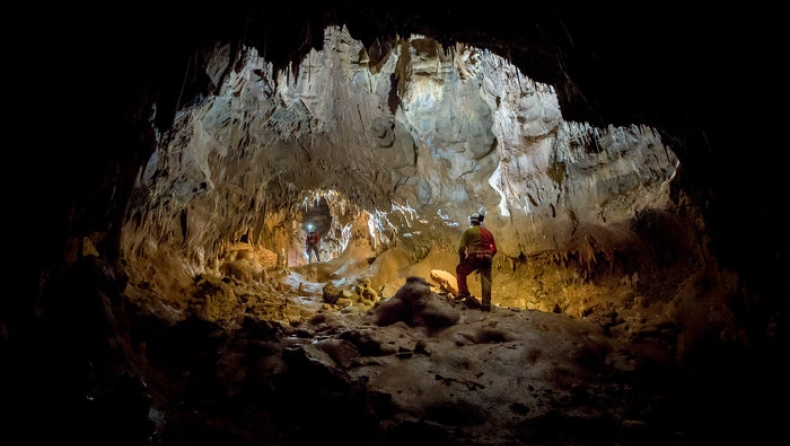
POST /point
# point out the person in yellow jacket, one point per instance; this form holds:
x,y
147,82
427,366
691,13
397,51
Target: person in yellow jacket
x,y
475,253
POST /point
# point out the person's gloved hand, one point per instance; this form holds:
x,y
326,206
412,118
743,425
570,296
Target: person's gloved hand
x,y
461,257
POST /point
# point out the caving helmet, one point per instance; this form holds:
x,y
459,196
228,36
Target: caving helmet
x,y
476,218
310,227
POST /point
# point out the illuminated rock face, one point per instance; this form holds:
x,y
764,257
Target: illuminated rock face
x,y
399,153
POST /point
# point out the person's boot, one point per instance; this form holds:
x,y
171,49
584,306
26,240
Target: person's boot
x,y
472,302
460,297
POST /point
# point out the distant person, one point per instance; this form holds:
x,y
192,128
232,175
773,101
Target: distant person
x,y
312,241
475,253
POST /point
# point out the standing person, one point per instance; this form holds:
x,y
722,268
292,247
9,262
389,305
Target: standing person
x,y
312,241
475,253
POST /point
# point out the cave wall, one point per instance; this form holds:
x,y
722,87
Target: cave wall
x,y
663,67
416,142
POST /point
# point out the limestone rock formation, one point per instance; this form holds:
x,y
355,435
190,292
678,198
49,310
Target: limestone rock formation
x,y
412,146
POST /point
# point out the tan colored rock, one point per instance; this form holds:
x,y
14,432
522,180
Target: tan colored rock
x,y
446,280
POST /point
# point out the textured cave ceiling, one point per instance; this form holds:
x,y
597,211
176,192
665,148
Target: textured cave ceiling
x,y
691,77
671,68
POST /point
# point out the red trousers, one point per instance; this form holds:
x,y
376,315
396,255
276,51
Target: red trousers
x,y
475,262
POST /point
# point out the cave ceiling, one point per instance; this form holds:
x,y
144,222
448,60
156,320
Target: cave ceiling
x,y
658,67
405,145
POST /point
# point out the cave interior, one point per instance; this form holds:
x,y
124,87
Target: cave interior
x,y
619,156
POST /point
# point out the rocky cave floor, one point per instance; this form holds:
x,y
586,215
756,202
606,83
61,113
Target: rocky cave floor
x,y
274,362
